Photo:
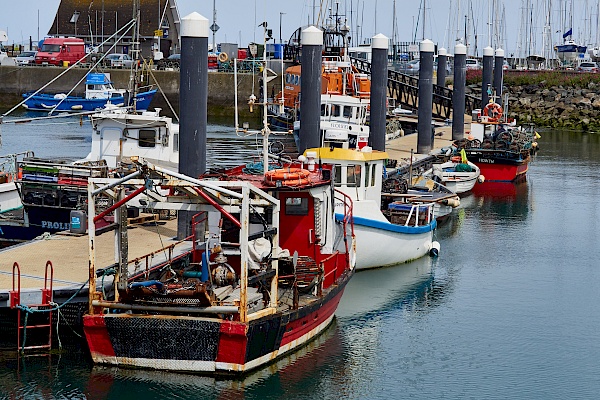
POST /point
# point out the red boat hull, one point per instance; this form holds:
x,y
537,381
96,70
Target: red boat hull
x,y
207,345
500,166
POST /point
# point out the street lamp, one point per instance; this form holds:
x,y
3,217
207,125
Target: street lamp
x,y
280,15
74,19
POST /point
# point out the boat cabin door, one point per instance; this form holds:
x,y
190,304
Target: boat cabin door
x,y
110,146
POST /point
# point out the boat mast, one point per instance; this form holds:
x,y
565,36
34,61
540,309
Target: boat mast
x,y
134,75
266,131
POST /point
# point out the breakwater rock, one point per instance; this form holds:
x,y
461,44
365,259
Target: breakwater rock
x,y
554,107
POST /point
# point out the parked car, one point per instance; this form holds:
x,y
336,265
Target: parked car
x,y
118,60
473,63
409,68
587,67
170,62
26,58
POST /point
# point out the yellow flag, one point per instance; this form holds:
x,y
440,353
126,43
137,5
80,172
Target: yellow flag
x,y
463,156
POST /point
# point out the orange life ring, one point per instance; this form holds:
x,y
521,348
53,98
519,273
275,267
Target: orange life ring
x,y
223,57
493,111
287,177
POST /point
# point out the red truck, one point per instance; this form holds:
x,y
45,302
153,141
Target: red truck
x,y
56,51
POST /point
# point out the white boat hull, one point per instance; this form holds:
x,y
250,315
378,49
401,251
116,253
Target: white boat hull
x,y
457,181
459,184
9,197
379,244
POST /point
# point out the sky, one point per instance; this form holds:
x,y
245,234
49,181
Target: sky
x,y
444,20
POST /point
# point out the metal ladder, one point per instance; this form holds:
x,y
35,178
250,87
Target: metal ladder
x,y
15,302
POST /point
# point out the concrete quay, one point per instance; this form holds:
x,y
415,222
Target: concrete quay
x,y
14,81
69,255
400,148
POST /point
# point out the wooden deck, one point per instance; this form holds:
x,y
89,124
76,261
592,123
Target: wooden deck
x,y
69,255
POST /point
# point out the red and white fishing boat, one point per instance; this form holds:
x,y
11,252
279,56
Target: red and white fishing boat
x,y
263,274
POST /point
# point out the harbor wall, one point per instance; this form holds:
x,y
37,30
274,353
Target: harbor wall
x,y
17,80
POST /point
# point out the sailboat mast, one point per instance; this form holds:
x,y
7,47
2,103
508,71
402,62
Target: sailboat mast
x,y
597,20
424,12
490,24
394,32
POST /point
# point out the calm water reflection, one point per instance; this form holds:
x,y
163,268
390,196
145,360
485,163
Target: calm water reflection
x,y
506,311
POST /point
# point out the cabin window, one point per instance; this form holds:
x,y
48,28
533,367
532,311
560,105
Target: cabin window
x,y
373,171
347,112
337,178
296,206
335,111
147,138
353,175
176,142
323,110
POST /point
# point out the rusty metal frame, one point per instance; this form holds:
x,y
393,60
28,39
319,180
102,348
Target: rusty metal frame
x,y
249,196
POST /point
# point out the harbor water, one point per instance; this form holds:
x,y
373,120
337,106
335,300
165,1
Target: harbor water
x,y
507,310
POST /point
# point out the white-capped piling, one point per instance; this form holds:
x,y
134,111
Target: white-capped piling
x,y
193,95
425,135
458,91
379,78
442,61
499,74
310,88
193,98
488,72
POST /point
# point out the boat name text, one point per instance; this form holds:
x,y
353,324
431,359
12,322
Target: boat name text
x,y
62,226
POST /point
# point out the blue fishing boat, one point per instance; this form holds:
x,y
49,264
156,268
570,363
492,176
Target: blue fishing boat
x,y
99,90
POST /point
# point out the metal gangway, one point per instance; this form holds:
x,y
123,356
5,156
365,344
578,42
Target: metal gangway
x,y
404,90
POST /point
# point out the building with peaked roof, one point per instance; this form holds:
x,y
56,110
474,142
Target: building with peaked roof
x,y
95,21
